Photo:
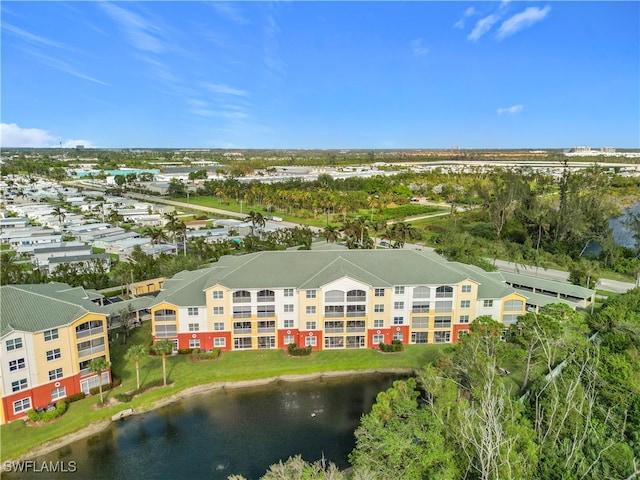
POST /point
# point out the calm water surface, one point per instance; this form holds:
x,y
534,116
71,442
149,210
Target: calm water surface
x,y
217,434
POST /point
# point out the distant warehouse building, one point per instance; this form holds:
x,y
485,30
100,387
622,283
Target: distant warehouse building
x,y
329,299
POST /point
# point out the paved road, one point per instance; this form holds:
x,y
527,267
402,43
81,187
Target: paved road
x,y
550,274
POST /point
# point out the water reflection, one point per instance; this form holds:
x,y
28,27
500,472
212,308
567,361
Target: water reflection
x,y
224,432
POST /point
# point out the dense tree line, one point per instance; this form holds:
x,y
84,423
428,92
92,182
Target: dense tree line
x,y
463,418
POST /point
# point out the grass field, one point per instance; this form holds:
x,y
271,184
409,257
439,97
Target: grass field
x,y
17,438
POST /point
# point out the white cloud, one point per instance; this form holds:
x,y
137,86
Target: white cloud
x,y
226,90
418,48
230,11
13,136
522,20
469,12
142,34
482,26
512,110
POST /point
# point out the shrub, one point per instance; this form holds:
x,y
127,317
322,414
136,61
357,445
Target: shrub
x,y
296,351
75,397
184,351
212,355
34,416
395,346
108,386
124,397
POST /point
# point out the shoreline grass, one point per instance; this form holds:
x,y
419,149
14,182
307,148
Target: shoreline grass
x,y
18,439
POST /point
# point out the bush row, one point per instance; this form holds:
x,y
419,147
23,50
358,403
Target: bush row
x,y
296,351
75,397
394,346
127,397
197,355
34,416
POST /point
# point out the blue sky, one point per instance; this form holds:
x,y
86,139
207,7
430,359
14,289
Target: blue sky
x,y
321,74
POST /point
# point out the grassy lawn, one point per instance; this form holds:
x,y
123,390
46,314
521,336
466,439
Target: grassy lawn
x,y
17,438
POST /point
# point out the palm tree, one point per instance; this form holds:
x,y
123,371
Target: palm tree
x,y
330,233
172,225
164,347
157,235
99,365
135,353
181,231
59,212
255,218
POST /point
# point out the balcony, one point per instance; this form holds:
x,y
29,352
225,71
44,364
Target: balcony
x,y
359,298
266,314
334,315
356,314
355,327
241,314
91,350
242,331
164,318
266,299
89,332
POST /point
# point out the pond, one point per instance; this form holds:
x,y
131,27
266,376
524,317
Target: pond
x,y
231,431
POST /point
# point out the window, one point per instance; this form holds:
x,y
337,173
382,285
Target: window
x,y
288,323
420,307
333,342
266,296
378,308
441,337
465,304
241,296
398,290
51,335
90,347
165,331
444,292
55,374
513,306
266,311
289,339
419,337
444,306
442,321
378,324
378,339
334,311
266,326
398,320
464,318
191,311
19,385
466,288
510,318
398,336
356,310
488,303
420,322
356,296
398,305
288,308
311,310
194,327
220,342
58,393
379,292
334,296
16,365
55,354
218,294
22,405
218,310
14,344
241,327
311,294
94,327
217,326
194,343
288,292
310,341
242,343
421,292
310,325
242,312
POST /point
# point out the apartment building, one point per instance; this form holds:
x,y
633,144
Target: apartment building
x,y
49,333
333,299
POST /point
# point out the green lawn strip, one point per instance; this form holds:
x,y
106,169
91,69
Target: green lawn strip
x,y
17,438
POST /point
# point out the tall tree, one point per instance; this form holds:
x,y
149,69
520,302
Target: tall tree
x,y
135,353
164,347
99,365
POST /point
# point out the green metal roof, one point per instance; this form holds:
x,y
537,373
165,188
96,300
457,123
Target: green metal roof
x,y
33,308
138,303
549,285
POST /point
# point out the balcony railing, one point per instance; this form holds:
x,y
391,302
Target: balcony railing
x,y
241,314
266,329
355,329
89,332
356,314
241,331
91,350
362,298
334,330
334,314
164,318
266,299
166,334
266,314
